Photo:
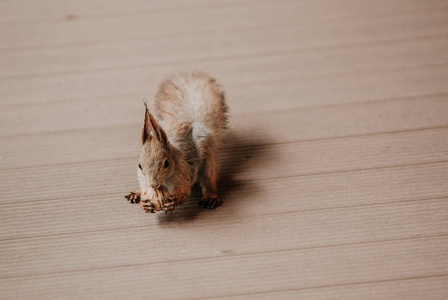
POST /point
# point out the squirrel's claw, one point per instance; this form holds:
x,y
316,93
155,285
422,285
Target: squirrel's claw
x,y
133,197
148,207
210,203
169,205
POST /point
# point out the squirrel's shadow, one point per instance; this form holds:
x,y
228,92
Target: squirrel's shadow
x,y
241,152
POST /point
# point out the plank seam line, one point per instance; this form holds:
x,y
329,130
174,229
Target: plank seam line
x,y
57,101
261,145
350,171
88,232
236,57
239,115
296,109
434,10
224,257
328,286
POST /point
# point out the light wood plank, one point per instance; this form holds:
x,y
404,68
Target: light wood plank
x,y
231,50
415,288
166,242
24,218
24,35
124,117
247,162
72,145
119,82
245,273
296,92
42,10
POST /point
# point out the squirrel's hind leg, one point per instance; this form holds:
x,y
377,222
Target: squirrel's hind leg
x,y
208,181
134,197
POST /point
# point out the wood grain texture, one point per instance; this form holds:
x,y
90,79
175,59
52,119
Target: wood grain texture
x,y
229,49
435,287
107,82
244,163
187,21
20,11
335,265
72,142
334,172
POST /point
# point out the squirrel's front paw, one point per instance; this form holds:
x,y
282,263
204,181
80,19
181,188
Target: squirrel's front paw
x,y
133,197
147,206
156,199
169,205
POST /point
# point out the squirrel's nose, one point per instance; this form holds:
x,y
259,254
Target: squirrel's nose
x,y
155,185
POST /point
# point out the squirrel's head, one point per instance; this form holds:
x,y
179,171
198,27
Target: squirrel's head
x,y
156,156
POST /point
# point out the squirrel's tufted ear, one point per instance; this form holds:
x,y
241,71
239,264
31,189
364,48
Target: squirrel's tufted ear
x,y
147,127
153,125
158,132
151,129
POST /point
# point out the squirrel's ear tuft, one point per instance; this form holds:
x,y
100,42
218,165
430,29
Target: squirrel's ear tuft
x,y
158,132
153,124
146,132
151,129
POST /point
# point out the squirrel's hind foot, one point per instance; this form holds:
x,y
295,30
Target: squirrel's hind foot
x,y
210,203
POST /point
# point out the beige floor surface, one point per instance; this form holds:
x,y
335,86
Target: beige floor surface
x,y
334,174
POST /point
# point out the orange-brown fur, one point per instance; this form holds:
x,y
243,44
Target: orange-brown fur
x,y
181,147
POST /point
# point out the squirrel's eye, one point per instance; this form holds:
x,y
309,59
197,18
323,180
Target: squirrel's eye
x,y
140,166
166,164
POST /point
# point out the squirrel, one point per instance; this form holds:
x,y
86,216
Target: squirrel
x,y
180,143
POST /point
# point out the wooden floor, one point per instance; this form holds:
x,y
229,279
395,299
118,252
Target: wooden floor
x,y
334,174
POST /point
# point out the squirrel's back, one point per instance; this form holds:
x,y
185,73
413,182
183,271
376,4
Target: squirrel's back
x,y
194,97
